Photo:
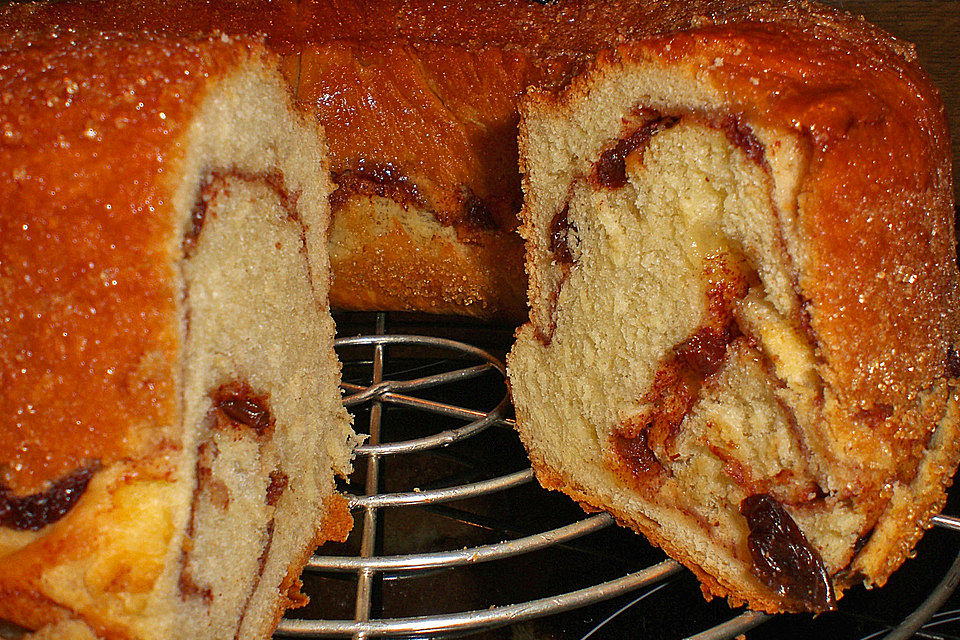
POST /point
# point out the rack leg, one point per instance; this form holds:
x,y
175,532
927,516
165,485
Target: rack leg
x,y
367,579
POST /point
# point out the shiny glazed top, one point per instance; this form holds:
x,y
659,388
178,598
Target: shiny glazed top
x,y
872,241
425,90
881,309
89,288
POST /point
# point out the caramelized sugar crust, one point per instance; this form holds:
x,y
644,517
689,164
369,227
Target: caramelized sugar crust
x,y
430,89
89,303
882,311
838,142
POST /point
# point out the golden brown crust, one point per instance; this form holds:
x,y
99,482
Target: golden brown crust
x,y
854,94
869,240
461,177
554,480
90,337
91,260
337,521
417,266
378,73
429,89
910,509
335,526
869,98
97,188
900,527
457,72
277,22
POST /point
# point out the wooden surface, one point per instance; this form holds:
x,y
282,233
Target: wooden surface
x,y
934,27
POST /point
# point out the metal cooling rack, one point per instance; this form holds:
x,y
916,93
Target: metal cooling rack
x,y
369,566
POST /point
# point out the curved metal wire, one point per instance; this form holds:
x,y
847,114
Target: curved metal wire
x,y
946,522
385,391
912,623
434,496
483,618
399,393
733,627
470,555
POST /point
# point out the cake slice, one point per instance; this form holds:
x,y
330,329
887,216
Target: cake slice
x,y
743,297
171,417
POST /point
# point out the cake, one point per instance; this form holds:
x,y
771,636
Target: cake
x,y
419,101
172,417
740,251
743,292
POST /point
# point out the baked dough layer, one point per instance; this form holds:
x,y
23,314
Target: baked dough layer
x,y
173,417
743,314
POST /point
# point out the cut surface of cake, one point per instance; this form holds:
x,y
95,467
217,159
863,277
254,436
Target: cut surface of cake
x,y
743,297
420,108
172,420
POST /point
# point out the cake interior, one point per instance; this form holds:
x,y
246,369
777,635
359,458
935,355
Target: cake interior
x,y
265,428
667,375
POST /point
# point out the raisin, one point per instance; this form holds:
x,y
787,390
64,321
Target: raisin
x,y
862,541
953,362
476,212
35,511
783,558
635,451
611,169
741,135
241,405
705,351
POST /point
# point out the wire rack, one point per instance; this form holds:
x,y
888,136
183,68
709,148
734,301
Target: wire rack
x,y
422,420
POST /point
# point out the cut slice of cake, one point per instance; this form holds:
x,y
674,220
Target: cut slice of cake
x,y
172,421
744,301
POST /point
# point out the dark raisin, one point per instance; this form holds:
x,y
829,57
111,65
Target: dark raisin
x,y
848,575
611,169
953,362
705,351
241,405
635,451
741,135
783,558
35,511
278,483
476,212
862,542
